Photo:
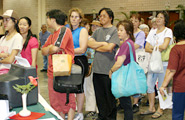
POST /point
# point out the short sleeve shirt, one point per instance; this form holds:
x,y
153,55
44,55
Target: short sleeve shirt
x,y
153,38
6,46
124,50
177,62
66,44
140,39
26,53
103,61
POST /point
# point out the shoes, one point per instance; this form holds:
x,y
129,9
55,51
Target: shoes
x,y
157,115
90,114
79,116
43,70
135,108
148,112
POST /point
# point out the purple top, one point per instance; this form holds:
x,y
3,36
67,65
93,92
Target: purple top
x,y
140,38
124,50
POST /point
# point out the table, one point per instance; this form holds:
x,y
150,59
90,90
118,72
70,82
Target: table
x,y
37,108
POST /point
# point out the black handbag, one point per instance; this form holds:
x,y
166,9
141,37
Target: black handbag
x,y
69,84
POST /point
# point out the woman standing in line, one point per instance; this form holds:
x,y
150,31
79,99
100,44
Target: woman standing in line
x,y
162,37
30,43
56,20
80,38
11,42
125,33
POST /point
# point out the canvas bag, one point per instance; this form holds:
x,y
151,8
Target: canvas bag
x,y
128,80
165,54
155,64
142,58
62,64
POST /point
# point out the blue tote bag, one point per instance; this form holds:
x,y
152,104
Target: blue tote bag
x,y
128,80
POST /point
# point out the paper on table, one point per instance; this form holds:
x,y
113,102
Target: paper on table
x,y
47,107
4,109
22,61
165,103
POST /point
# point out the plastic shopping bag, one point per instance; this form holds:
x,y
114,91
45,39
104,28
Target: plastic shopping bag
x,y
165,101
155,64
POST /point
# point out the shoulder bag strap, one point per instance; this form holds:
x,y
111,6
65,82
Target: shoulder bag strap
x,y
60,37
131,52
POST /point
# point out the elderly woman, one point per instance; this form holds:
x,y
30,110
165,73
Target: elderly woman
x,y
162,37
176,70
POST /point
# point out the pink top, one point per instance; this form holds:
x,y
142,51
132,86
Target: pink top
x,y
26,53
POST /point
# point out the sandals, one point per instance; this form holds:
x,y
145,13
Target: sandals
x,y
157,115
148,112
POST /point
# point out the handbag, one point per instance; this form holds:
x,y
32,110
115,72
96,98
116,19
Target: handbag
x,y
129,79
69,84
142,58
61,64
166,53
155,64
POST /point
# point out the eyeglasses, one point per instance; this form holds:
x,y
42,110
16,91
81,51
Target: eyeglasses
x,y
102,16
76,17
6,19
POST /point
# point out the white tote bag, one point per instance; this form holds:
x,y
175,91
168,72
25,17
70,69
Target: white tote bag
x,y
155,64
142,58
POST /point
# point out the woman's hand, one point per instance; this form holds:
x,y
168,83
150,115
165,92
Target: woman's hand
x,y
4,55
110,74
161,89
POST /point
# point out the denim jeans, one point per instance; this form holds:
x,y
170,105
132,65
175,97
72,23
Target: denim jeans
x,y
178,106
152,78
45,62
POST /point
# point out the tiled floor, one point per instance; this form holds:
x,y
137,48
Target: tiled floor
x,y
44,92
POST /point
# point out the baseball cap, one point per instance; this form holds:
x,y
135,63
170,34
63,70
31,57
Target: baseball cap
x,y
96,22
10,13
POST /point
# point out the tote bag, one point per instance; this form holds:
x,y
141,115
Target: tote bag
x,y
62,64
142,58
166,53
155,64
128,80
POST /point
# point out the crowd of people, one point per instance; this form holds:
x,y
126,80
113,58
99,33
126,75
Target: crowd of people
x,y
100,48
